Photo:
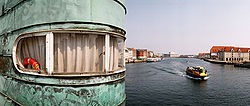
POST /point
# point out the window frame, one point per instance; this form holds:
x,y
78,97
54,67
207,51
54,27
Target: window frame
x,y
16,50
50,51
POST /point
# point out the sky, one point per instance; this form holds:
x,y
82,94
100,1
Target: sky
x,y
187,26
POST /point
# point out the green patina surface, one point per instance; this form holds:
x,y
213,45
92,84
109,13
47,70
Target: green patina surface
x,y
22,16
33,12
34,94
31,90
35,15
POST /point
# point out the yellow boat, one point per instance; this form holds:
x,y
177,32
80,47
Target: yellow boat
x,y
197,72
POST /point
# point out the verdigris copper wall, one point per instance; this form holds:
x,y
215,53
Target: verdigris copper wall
x,y
35,15
22,16
107,90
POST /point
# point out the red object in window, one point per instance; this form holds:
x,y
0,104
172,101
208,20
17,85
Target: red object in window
x,y
32,62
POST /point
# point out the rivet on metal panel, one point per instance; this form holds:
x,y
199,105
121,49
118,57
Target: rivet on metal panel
x,y
7,10
5,40
8,100
9,78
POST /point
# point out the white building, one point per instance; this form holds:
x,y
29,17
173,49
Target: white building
x,y
150,54
173,54
234,54
130,54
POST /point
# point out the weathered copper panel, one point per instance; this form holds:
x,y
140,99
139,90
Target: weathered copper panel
x,y
23,16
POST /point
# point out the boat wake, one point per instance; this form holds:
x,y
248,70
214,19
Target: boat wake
x,y
165,69
175,71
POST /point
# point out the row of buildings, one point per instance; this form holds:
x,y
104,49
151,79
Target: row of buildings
x,y
227,53
131,54
175,55
172,54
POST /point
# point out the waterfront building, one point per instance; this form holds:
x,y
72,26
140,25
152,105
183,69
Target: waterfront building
x,y
134,55
188,56
165,55
142,54
130,54
62,52
214,51
158,55
234,54
150,54
173,54
203,55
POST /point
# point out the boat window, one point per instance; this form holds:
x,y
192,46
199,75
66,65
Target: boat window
x,y
32,48
67,53
116,53
78,53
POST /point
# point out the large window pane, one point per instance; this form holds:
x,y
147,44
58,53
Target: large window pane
x,y
78,53
32,47
116,53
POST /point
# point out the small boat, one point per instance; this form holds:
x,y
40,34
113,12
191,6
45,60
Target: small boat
x,y
197,72
153,59
242,64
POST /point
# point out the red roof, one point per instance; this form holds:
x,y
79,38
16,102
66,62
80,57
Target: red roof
x,y
132,49
236,49
200,54
215,49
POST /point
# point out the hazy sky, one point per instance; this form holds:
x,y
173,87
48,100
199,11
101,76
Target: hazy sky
x,y
187,26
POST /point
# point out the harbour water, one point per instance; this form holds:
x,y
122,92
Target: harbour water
x,y
166,83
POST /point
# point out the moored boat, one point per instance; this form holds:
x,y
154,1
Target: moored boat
x,y
153,59
197,72
243,64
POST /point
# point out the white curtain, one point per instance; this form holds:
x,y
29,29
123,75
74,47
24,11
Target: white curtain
x,y
115,54
75,53
78,53
33,47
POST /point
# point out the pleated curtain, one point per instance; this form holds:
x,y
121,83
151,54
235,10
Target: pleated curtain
x,y
35,48
74,53
116,50
78,53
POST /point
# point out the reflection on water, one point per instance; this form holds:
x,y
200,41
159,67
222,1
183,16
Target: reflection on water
x,y
201,84
165,83
230,67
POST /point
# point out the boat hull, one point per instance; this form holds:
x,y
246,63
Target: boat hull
x,y
196,76
197,72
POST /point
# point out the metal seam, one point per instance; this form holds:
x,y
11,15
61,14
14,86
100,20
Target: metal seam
x,y
91,84
123,6
74,22
122,100
10,98
10,9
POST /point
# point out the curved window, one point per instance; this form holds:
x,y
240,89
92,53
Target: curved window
x,y
116,53
78,53
32,47
69,53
